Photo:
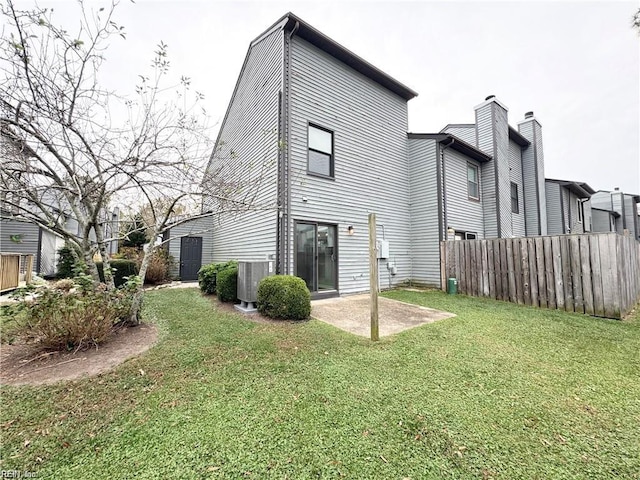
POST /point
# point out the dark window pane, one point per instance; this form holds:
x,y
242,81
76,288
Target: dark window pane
x,y
319,163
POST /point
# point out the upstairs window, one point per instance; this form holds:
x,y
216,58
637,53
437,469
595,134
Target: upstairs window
x,y
515,204
473,189
320,156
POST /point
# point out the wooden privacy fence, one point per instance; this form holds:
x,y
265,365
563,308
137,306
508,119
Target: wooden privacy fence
x,y
14,268
596,274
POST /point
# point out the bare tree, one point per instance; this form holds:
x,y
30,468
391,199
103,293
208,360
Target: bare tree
x,y
635,21
71,147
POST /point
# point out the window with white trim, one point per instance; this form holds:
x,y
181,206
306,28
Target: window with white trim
x,y
473,185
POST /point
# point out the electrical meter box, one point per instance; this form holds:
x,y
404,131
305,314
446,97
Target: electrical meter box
x,y
383,248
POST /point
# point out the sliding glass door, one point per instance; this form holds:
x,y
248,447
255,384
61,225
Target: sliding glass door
x,y
316,259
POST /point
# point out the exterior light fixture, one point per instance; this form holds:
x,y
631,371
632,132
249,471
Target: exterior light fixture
x,y
350,230
451,230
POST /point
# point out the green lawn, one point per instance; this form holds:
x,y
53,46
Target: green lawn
x,y
499,391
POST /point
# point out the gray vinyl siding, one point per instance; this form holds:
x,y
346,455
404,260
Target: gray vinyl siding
x,y
576,226
247,152
614,201
541,182
466,133
29,233
617,206
532,168
504,176
29,244
601,200
631,215
515,170
425,239
462,214
50,245
369,124
485,142
554,212
532,220
601,220
195,228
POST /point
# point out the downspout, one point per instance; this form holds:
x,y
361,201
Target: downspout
x,y
279,191
287,160
444,189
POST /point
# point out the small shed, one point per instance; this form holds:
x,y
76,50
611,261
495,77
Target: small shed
x,y
190,244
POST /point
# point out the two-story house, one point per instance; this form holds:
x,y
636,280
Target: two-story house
x,y
568,207
21,234
321,135
616,211
473,181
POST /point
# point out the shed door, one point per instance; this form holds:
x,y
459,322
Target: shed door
x,y
190,257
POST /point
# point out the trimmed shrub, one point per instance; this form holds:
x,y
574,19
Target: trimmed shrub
x,y
207,275
285,297
227,284
158,267
207,278
121,268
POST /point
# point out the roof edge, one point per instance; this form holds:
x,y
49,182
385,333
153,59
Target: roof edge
x,y
518,137
346,56
456,143
579,188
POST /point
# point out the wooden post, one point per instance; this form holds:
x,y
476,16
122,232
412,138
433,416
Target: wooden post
x,y
373,277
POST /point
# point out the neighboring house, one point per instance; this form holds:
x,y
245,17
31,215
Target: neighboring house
x,y
190,245
329,133
604,220
474,181
511,183
568,207
18,235
623,207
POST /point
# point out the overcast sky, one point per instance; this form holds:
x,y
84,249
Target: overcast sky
x,y
575,64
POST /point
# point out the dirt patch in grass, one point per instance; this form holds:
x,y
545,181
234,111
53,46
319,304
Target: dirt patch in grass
x,y
25,364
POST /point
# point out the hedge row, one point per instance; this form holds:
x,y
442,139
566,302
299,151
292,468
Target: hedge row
x,y
279,296
208,275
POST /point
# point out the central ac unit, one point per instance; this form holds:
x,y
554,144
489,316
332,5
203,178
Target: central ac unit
x,y
249,275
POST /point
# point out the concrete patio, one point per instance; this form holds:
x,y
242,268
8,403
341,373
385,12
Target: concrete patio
x,y
352,314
